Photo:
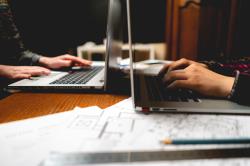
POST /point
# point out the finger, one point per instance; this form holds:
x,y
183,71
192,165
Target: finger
x,y
81,65
36,71
163,70
175,75
77,64
22,76
25,68
78,60
180,84
45,71
82,62
180,64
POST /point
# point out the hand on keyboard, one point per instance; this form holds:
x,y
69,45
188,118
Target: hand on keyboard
x,y
63,61
180,64
200,79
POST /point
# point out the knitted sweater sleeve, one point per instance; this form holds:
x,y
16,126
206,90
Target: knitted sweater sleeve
x,y
11,40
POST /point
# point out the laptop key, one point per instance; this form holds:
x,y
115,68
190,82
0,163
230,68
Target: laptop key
x,y
78,77
158,92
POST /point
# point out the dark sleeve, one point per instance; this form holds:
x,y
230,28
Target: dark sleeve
x,y
29,58
10,37
241,89
229,66
219,67
240,69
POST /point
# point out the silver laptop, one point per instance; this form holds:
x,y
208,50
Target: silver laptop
x,y
149,94
98,77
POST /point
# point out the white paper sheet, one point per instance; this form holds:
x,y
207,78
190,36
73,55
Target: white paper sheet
x,y
28,142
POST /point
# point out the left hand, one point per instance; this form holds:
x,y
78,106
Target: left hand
x,y
63,61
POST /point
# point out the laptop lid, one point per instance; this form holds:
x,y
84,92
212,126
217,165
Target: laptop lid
x,y
207,106
131,58
113,47
116,14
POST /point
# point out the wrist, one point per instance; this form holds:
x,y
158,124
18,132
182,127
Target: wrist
x,y
44,61
237,73
228,86
1,69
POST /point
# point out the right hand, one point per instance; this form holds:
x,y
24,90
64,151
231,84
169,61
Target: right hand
x,y
63,61
21,72
180,64
201,80
196,76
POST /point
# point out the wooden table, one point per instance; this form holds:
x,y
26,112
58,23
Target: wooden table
x,y
27,105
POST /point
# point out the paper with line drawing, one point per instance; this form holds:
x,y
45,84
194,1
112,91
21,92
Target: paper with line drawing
x,y
119,127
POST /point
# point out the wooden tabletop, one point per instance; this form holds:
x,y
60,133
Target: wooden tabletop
x,y
27,105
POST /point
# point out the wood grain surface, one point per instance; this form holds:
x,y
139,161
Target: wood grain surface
x,y
27,105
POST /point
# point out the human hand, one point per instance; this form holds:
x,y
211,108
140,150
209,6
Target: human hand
x,y
63,61
200,79
180,64
20,72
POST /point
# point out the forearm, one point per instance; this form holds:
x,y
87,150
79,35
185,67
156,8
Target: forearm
x,y
1,69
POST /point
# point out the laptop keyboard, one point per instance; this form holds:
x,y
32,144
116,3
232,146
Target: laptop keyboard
x,y
78,77
157,92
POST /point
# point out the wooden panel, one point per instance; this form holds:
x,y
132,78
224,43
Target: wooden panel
x,y
205,29
189,31
182,28
169,33
213,20
239,34
232,27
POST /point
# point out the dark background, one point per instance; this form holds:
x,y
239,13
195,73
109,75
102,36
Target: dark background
x,y
51,27
241,46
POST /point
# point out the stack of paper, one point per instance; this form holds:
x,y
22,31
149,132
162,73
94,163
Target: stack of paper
x,y
116,128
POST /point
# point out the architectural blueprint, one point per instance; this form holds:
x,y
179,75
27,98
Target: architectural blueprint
x,y
119,127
